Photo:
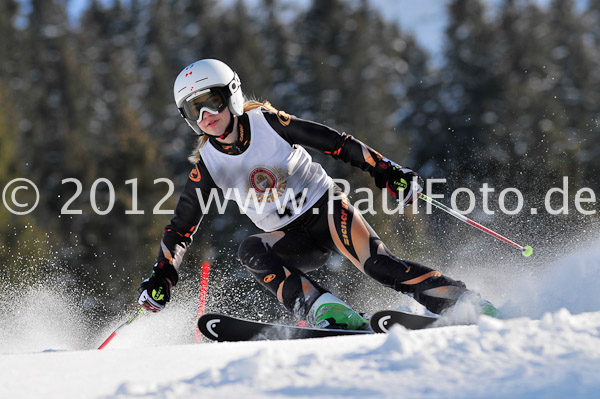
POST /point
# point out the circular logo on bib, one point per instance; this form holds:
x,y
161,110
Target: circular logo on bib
x,y
262,179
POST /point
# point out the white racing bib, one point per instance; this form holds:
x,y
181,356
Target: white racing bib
x,y
272,182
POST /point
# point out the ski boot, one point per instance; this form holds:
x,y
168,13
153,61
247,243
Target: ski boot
x,y
331,312
470,306
488,309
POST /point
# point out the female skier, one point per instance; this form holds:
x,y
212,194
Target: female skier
x,y
251,150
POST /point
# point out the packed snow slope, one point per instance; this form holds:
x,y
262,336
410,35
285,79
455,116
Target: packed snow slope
x,y
551,349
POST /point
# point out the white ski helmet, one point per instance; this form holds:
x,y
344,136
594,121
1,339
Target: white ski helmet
x,y
207,86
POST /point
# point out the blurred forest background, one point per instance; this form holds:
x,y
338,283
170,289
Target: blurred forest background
x,y
514,103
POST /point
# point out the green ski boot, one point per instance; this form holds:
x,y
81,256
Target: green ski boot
x,y
329,311
490,310
472,304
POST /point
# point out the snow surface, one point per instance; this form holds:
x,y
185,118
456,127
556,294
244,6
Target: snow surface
x,y
550,350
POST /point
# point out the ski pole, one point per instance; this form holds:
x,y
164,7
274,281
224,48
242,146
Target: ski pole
x,y
525,250
128,322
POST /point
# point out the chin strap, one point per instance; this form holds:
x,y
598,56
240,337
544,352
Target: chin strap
x,y
228,129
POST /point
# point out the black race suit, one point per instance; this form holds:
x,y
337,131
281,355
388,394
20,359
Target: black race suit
x,y
279,260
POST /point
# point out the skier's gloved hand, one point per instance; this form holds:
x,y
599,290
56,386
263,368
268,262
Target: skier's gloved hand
x,y
402,183
155,292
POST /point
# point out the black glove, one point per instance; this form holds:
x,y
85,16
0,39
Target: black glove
x,y
155,292
400,182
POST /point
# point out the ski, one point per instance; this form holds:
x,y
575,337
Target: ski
x,y
221,328
382,321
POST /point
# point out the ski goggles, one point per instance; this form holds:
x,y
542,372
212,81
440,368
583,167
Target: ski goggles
x,y
212,100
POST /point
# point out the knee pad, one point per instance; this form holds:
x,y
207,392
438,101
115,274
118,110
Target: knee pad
x,y
250,250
